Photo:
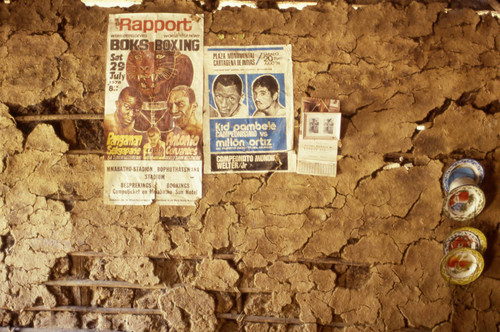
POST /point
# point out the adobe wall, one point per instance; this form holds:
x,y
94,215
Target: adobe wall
x,y
360,251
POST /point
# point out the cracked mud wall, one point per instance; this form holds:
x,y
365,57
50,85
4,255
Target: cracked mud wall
x,y
264,251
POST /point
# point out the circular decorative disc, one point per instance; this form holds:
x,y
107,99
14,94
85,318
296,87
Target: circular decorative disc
x,y
466,237
461,171
464,203
462,266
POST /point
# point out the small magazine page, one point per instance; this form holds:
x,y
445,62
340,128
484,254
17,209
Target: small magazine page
x,y
248,114
153,109
319,136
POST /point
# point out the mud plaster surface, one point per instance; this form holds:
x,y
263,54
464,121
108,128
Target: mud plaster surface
x,y
253,244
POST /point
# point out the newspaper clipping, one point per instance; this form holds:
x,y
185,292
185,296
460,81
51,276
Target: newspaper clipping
x,y
319,137
248,115
153,109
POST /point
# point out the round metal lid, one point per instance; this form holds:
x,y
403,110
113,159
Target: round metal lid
x,y
465,237
464,171
464,202
462,266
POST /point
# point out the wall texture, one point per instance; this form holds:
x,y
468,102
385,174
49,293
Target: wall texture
x,y
269,252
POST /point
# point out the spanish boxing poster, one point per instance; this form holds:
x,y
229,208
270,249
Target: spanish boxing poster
x,y
248,112
153,109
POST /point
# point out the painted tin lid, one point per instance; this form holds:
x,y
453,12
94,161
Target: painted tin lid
x,y
464,202
462,266
465,237
463,172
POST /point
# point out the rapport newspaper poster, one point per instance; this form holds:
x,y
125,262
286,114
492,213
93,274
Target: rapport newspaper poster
x,y
248,113
319,136
153,109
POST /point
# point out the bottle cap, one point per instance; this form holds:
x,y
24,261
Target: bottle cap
x,y
462,266
466,237
464,202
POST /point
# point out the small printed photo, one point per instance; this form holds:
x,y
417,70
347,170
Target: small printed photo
x,y
322,125
328,126
314,125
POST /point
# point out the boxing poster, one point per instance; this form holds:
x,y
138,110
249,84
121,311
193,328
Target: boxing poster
x,y
248,111
153,109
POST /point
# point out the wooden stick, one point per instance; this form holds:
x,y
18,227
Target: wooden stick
x,y
52,329
138,311
100,152
102,254
335,261
100,310
239,303
124,284
272,320
58,117
100,283
228,316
